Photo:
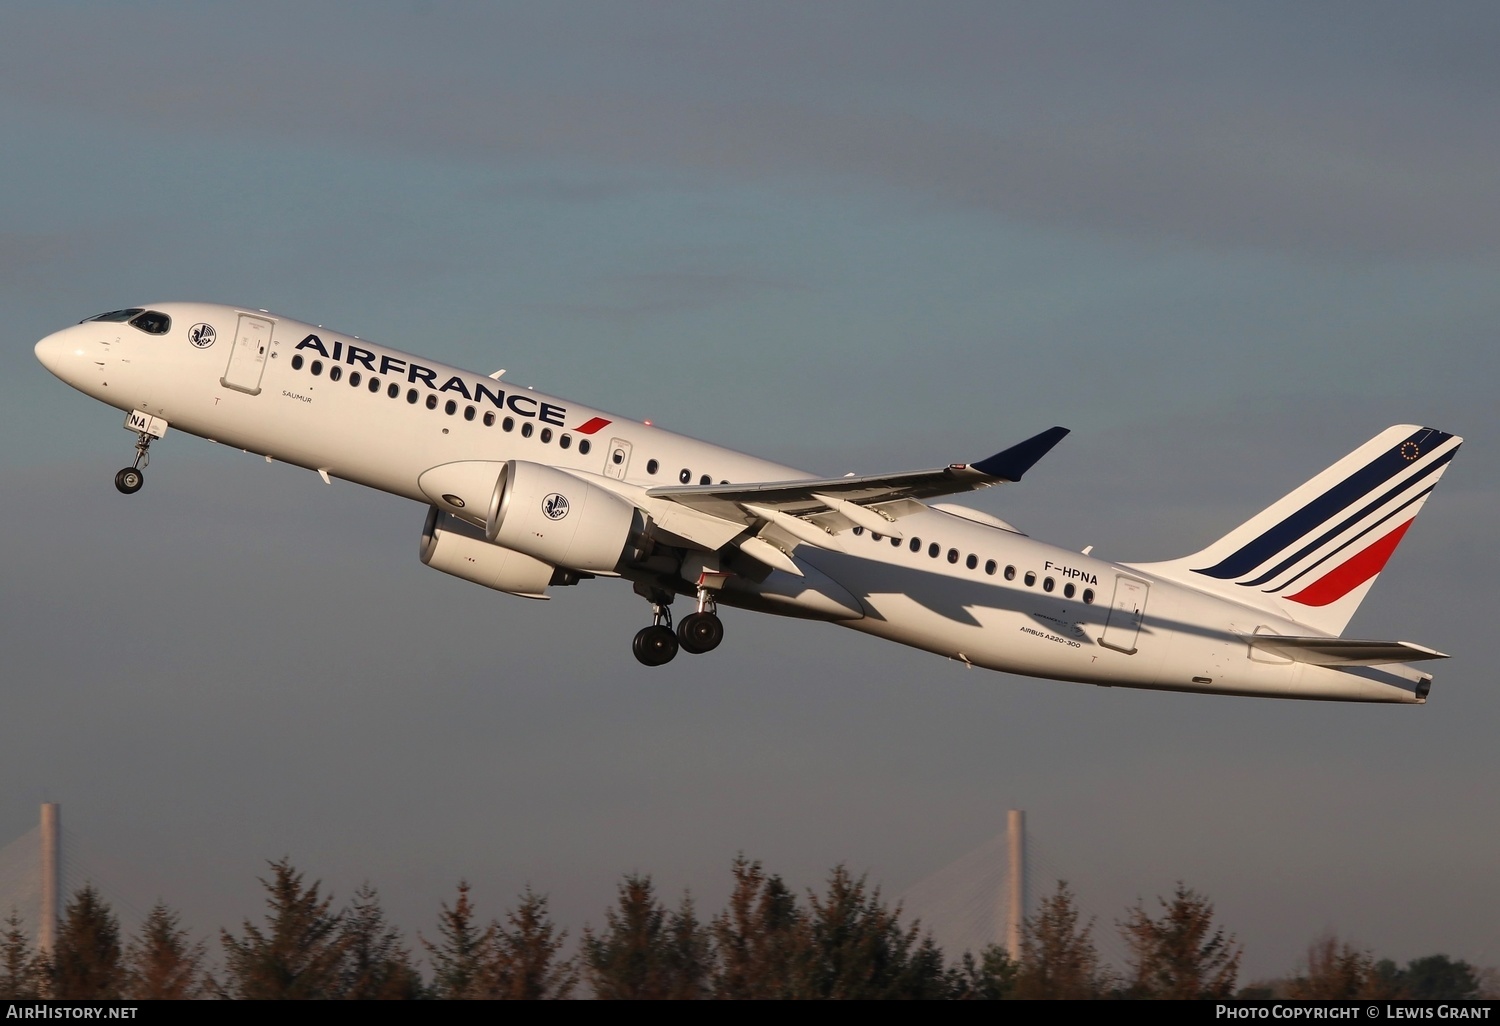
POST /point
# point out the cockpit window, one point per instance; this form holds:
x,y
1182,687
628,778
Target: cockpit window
x,y
152,322
119,316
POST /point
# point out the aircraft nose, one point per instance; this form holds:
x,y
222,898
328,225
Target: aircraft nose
x,y
50,351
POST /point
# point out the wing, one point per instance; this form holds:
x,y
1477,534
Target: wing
x,y
784,513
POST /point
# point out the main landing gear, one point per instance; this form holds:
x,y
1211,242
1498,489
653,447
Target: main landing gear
x,y
656,645
130,479
700,631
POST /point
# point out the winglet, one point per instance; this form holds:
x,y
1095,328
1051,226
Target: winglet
x,y
1015,461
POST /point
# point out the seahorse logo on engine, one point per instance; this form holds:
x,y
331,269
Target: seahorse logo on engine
x,y
555,506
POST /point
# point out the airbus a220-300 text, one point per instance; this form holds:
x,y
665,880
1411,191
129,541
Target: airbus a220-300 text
x,y
528,491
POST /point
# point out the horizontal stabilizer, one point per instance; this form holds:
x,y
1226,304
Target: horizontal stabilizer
x,y
1343,651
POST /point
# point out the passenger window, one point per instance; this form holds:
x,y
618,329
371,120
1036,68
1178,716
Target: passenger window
x,y
489,418
546,434
566,441
1048,584
874,536
916,544
316,368
297,362
705,480
469,412
990,566
450,407
617,457
953,555
393,390
858,531
526,429
508,424
584,445
896,543
1030,578
354,379
1088,596
934,549
432,402
411,396
652,466
972,561
1068,590
374,385
1010,573
685,477
335,372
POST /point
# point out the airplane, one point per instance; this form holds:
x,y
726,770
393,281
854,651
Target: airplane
x,y
526,491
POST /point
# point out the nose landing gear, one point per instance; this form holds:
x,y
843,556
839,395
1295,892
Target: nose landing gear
x,y
145,427
130,479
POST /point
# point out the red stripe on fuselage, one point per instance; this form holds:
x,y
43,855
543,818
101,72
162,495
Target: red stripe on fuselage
x,y
591,425
1351,574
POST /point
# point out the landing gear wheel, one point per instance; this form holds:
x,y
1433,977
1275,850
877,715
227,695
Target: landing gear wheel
x,y
129,480
655,645
700,632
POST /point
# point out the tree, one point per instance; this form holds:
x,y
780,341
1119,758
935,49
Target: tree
x,y
161,962
1337,971
859,950
1180,956
376,964
526,964
1058,959
463,951
86,963
300,952
761,939
23,972
646,952
989,977
689,954
1430,978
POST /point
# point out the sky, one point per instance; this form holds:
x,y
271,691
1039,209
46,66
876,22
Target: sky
x,y
1224,243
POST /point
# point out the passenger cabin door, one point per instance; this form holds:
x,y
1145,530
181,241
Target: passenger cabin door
x,y
1126,612
247,357
618,460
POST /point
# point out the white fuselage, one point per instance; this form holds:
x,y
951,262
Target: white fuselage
x,y
955,586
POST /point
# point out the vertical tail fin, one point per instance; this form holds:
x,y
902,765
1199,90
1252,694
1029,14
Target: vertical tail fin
x,y
1314,555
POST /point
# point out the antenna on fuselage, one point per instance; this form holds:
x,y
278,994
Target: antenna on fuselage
x,y
498,374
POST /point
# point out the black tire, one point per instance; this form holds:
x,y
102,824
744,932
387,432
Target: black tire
x,y
655,646
700,632
129,480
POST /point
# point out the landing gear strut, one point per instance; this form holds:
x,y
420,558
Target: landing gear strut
x,y
130,479
702,630
656,645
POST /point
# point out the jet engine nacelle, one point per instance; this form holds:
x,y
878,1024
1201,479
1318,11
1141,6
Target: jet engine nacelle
x,y
564,520
460,549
